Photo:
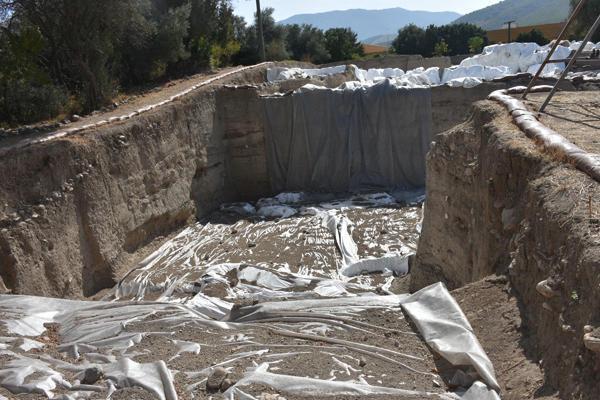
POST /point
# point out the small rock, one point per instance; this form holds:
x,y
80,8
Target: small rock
x,y
91,376
214,381
436,383
251,244
3,288
362,362
226,384
40,209
545,290
75,118
592,342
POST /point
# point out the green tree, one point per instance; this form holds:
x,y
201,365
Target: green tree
x,y
215,34
90,49
586,18
457,37
533,36
343,44
155,39
275,40
441,48
476,44
26,92
410,40
307,43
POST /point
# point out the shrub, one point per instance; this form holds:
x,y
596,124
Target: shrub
x,y
476,44
533,36
23,102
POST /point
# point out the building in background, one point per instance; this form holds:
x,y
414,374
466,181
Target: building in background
x,y
550,31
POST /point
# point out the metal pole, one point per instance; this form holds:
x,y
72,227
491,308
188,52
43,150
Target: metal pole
x,y
261,36
509,23
588,37
565,28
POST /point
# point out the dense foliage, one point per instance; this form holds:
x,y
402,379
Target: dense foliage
x,y
586,19
533,36
73,56
450,40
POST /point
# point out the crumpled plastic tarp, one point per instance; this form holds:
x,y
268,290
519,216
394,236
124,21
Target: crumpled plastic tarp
x,y
317,387
433,310
446,329
347,140
310,304
495,62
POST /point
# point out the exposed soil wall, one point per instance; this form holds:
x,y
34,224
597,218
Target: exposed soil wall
x,y
496,204
240,114
73,211
76,211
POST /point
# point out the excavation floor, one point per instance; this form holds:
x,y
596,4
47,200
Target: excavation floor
x,y
496,319
275,302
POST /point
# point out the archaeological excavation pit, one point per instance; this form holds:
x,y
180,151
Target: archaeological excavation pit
x,y
281,232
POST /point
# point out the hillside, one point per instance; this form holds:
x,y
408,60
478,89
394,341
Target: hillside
x,y
525,12
380,40
370,23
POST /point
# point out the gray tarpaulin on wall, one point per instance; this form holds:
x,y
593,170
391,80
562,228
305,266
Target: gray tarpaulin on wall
x,y
341,140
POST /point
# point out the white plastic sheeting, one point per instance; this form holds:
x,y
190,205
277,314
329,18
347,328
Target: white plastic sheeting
x,y
517,57
433,310
303,386
446,329
173,270
495,61
109,335
282,73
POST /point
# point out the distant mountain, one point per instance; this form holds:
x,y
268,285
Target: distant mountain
x,y
525,12
369,23
380,40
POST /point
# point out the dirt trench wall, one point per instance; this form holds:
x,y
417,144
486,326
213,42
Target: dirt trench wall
x,y
240,113
75,211
496,204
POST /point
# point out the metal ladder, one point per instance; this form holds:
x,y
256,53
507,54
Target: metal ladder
x,y
571,61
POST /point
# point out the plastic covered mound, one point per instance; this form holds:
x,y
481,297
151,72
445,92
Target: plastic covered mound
x,y
496,61
191,322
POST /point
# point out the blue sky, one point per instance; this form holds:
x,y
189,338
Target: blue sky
x,y
287,8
